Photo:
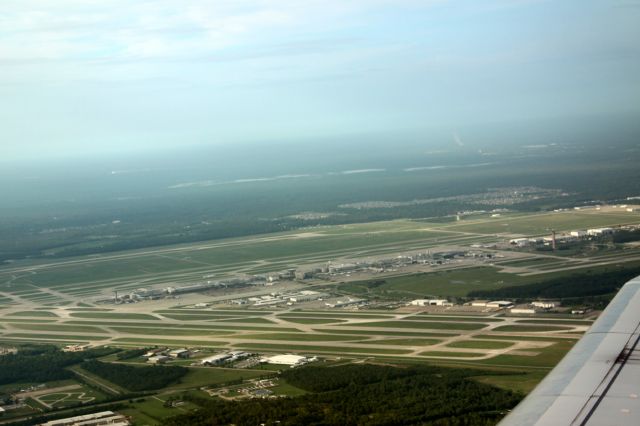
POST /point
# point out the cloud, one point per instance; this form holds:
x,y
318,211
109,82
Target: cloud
x,y
42,30
509,4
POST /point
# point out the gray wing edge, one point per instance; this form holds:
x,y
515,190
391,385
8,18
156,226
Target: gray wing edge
x,y
598,381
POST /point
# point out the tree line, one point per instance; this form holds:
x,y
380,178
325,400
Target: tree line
x,y
574,286
135,378
43,363
365,394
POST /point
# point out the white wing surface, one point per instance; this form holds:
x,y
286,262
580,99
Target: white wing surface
x,y
598,381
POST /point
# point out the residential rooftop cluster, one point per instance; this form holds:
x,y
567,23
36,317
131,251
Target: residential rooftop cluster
x,y
506,196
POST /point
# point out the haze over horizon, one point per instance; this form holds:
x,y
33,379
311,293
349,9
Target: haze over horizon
x,y
88,77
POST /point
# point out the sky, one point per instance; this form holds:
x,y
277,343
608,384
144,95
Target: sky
x,y
88,77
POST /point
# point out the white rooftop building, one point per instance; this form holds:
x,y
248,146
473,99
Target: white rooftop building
x,y
180,353
522,310
431,302
600,231
288,359
102,418
520,242
216,359
500,304
158,359
545,304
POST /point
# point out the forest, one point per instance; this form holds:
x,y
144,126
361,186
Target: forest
x,y
136,378
576,287
43,363
365,394
91,210
624,236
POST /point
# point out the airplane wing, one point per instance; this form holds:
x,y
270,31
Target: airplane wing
x,y
598,381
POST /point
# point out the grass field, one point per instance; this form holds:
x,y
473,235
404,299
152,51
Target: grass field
x,y
539,224
215,312
151,410
545,338
537,261
66,399
449,318
88,309
438,284
285,389
242,327
61,328
451,354
214,376
433,325
297,313
248,320
149,331
523,382
143,325
70,338
546,357
310,349
556,322
402,342
301,337
479,344
370,334
389,333
205,317
32,314
306,320
171,342
221,255
530,328
116,316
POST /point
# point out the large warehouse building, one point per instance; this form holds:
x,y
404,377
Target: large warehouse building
x,y
292,360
